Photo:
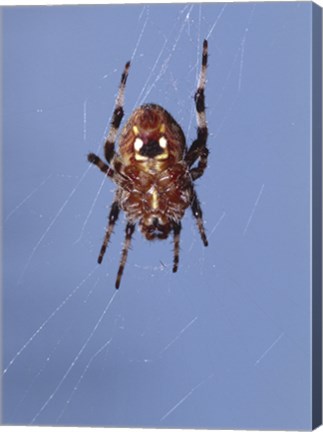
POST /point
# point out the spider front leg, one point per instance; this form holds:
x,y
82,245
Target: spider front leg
x,y
95,160
116,117
130,227
198,150
114,126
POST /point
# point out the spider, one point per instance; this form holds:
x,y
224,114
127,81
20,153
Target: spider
x,y
154,170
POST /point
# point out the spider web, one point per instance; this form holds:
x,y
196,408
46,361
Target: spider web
x,y
65,327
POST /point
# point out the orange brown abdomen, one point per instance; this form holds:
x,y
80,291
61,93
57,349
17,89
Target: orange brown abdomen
x,y
157,200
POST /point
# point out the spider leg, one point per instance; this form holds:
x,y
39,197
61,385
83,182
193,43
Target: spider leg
x,y
177,229
116,117
197,213
198,150
95,160
129,231
113,216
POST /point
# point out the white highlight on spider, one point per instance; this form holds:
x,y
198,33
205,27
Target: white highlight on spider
x,y
154,203
163,142
138,144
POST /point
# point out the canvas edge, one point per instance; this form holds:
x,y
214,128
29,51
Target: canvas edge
x,y
316,216
1,210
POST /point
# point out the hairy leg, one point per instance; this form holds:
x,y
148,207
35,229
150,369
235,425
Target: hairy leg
x,y
95,160
198,150
129,231
113,216
177,229
197,213
116,117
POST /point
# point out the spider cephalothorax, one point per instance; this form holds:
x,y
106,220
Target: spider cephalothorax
x,y
154,170
151,135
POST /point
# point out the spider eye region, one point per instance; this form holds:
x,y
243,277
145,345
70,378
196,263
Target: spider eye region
x,y
163,142
150,149
138,144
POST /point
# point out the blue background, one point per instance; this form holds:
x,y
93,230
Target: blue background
x,y
225,342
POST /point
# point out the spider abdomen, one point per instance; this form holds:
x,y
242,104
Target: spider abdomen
x,y
157,201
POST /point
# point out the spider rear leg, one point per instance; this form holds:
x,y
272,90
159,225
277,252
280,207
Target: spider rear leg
x,y
116,117
130,227
177,229
197,213
113,216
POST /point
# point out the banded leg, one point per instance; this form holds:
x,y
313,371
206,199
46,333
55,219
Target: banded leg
x,y
197,213
95,160
116,117
113,216
198,149
129,231
177,229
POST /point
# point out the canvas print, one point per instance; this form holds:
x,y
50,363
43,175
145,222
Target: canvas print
x,y
162,199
